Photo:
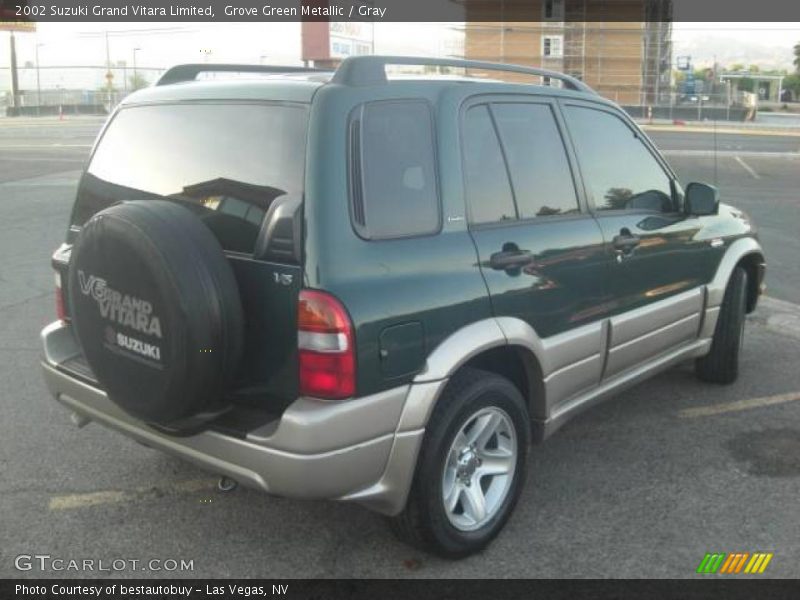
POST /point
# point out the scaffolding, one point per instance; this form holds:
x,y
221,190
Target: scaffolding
x,y
628,61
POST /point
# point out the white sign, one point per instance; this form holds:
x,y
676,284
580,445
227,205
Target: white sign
x,y
350,39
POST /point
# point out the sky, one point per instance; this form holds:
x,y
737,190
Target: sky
x,y
163,44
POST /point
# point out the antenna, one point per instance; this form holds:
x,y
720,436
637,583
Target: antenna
x,y
716,183
713,81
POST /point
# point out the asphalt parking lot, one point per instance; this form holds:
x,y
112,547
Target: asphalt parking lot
x,y
641,486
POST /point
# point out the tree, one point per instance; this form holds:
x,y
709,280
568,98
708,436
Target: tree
x,y
792,82
137,82
797,57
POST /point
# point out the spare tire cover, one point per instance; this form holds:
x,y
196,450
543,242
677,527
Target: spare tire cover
x,y
156,309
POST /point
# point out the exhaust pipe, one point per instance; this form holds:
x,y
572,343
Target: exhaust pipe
x,y
79,420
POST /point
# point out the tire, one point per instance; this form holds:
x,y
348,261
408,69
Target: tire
x,y
156,308
472,397
721,364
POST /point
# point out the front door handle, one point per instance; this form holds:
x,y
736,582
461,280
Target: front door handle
x,y
509,259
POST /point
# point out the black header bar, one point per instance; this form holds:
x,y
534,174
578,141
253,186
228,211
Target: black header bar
x,y
399,10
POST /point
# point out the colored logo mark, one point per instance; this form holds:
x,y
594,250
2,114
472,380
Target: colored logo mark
x,y
735,562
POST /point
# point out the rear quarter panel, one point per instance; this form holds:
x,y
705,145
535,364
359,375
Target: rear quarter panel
x,y
432,280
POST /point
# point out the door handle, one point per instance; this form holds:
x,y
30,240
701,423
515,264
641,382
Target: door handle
x,y
508,259
625,242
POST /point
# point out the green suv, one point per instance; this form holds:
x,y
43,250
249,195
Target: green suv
x,y
350,286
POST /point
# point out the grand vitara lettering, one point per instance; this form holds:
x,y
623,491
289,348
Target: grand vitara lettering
x,y
120,308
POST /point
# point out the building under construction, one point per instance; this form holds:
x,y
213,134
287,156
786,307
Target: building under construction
x,y
627,60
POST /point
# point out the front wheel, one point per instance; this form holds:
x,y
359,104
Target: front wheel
x,y
721,364
471,466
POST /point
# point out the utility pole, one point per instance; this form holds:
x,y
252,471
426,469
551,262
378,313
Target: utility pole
x,y
38,82
14,79
135,75
109,74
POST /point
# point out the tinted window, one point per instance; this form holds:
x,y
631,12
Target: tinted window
x,y
487,187
397,170
226,162
619,170
536,159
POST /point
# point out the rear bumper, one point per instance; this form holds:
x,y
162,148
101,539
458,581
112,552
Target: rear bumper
x,y
352,450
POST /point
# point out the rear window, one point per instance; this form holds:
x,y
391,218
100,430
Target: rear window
x,y
226,162
393,170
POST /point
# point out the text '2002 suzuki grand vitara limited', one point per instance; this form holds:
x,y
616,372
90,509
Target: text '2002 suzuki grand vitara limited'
x,y
381,290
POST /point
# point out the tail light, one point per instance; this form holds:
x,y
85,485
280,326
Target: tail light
x,y
61,310
326,348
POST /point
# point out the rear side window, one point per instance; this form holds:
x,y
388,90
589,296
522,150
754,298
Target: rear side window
x,y
537,160
393,170
488,189
226,162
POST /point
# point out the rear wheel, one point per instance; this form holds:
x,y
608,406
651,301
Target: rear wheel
x,y
721,364
471,466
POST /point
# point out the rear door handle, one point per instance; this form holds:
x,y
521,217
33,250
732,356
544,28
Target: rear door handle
x,y
508,259
626,241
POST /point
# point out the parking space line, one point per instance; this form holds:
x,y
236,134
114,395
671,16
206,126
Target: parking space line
x,y
41,159
42,146
75,501
747,167
739,405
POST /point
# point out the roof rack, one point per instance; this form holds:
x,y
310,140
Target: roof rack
x,y
189,72
371,70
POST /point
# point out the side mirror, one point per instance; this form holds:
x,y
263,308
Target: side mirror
x,y
701,199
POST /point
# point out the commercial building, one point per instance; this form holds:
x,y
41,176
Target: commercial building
x,y
628,60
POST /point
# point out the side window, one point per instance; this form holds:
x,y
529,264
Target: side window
x,y
537,160
393,170
488,189
618,169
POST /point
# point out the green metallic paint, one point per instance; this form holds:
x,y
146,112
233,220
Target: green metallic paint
x,y
441,280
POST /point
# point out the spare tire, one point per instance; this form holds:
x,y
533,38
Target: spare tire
x,y
156,309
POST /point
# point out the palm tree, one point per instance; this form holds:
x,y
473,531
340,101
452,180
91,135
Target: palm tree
x,y
797,57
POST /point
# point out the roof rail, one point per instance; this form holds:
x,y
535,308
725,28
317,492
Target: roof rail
x,y
371,70
189,72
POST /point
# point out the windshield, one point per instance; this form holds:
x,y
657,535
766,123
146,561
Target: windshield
x,y
227,162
